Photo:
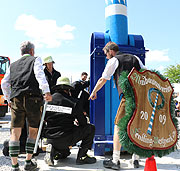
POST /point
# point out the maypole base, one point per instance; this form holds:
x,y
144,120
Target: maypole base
x,y
150,164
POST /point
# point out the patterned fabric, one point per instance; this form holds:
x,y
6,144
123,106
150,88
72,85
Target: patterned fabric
x,y
14,148
30,146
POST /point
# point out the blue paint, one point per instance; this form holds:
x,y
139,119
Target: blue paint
x,y
131,40
117,24
97,108
117,27
116,2
107,38
149,132
152,119
107,108
122,2
114,103
107,97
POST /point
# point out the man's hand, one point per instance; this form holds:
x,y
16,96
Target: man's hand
x,y
93,96
47,97
97,87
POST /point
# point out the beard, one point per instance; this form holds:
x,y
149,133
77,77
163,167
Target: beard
x,y
111,55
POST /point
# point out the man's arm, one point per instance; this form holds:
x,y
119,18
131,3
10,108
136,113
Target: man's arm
x,y
98,86
109,70
41,78
6,86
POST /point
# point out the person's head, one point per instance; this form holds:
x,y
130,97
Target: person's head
x,y
110,49
63,84
84,76
27,48
48,62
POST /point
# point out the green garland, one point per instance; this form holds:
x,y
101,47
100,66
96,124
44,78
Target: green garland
x,y
129,110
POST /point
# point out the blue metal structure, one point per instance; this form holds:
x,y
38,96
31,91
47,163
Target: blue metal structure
x,y
104,108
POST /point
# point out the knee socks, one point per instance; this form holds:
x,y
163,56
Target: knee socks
x,y
30,143
116,156
14,148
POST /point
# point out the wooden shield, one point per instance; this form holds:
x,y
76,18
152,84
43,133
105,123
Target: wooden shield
x,y
151,126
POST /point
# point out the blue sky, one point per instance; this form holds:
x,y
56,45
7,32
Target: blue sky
x,y
63,29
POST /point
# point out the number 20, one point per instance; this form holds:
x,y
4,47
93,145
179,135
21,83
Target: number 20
x,y
144,115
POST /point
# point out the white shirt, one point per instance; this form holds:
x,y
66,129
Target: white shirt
x,y
112,65
39,74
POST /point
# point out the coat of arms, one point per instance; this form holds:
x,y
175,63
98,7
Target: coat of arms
x,y
151,125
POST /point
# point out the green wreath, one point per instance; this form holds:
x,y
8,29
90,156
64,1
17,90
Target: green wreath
x,y
129,110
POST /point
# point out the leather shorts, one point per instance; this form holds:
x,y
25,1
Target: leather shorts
x,y
26,106
121,111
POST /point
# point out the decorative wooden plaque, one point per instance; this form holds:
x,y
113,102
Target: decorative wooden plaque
x,y
151,126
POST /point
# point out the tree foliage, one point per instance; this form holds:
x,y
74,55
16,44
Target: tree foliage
x,y
173,73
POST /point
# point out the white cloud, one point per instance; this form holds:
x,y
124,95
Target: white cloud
x,y
44,32
157,55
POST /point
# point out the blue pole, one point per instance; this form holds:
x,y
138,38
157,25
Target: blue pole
x,y
116,21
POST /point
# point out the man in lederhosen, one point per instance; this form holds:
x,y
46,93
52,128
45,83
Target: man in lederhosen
x,y
21,88
117,62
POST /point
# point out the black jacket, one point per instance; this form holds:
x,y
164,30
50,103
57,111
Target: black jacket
x,y
51,78
79,86
61,124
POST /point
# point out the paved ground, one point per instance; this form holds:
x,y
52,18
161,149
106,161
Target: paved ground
x,y
166,163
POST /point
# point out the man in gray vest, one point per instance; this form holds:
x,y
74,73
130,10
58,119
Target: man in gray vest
x,y
21,88
117,63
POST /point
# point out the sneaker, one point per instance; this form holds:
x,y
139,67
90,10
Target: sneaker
x,y
6,148
109,164
86,160
32,166
48,158
136,164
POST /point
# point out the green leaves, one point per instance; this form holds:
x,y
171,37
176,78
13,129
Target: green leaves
x,y
173,73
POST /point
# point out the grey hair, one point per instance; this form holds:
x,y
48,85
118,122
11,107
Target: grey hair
x,y
26,47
